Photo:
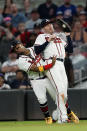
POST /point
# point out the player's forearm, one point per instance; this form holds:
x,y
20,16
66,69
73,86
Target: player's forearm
x,y
41,68
45,67
40,48
26,52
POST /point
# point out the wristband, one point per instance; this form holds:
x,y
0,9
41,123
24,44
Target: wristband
x,y
46,67
41,68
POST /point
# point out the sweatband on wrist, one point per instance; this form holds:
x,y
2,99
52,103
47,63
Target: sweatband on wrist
x,y
41,69
46,67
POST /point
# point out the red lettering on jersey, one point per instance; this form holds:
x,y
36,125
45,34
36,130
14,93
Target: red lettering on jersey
x,y
46,38
57,40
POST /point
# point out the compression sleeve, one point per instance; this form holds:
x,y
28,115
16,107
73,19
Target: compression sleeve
x,y
40,48
69,47
45,67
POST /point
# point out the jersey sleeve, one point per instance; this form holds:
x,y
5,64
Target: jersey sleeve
x,y
40,40
63,36
64,43
24,64
44,63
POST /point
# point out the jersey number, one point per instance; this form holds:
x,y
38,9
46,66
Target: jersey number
x,y
57,40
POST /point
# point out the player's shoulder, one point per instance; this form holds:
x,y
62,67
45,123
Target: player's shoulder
x,y
41,35
62,35
40,39
32,52
31,48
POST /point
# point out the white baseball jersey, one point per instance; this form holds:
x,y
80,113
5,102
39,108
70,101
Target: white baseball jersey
x,y
25,63
62,35
56,47
39,85
57,74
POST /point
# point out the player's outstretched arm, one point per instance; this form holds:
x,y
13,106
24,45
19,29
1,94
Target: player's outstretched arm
x,y
40,48
42,68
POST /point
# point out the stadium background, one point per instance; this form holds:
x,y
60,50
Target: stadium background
x,y
35,3
21,104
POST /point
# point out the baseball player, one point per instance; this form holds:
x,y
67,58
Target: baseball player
x,y
24,63
41,84
50,44
65,35
35,68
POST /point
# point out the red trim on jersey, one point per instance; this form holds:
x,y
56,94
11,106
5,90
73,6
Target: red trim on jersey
x,y
60,48
57,95
48,66
57,49
29,67
36,57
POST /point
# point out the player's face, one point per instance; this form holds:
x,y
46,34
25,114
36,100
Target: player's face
x,y
19,48
49,29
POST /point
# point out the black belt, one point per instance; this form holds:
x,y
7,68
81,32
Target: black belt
x,y
39,78
60,59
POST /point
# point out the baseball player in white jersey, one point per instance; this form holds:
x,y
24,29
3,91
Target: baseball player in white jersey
x,y
28,62
39,82
34,66
49,44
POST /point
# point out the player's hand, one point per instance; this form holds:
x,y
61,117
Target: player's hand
x,y
53,60
51,38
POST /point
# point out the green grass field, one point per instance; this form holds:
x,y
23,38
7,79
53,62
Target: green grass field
x,y
41,126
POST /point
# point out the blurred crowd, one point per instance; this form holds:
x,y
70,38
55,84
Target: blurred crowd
x,y
25,26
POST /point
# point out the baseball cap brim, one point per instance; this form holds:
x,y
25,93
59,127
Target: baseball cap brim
x,y
45,23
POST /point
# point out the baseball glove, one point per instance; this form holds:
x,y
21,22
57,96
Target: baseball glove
x,y
65,26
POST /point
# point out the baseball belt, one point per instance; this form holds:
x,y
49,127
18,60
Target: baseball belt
x,y
59,59
40,78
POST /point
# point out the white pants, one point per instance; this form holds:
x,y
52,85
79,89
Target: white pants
x,y
40,87
58,79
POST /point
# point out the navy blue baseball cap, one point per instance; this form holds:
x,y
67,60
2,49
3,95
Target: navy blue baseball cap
x,y
45,22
